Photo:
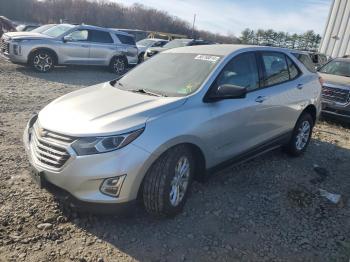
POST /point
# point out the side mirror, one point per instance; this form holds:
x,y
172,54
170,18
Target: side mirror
x,y
228,91
67,38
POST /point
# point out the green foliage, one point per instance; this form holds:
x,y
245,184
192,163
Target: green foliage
x,y
308,41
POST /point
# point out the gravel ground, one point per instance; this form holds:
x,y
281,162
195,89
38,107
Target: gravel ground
x,y
268,209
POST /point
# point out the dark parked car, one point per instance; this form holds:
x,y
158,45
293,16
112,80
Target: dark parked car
x,y
26,27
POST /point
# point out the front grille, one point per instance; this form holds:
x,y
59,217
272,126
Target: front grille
x,y
49,148
4,46
335,94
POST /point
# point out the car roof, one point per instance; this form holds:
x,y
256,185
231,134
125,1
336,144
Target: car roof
x,y
226,49
93,27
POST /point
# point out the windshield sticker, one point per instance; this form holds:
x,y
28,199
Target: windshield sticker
x,y
209,58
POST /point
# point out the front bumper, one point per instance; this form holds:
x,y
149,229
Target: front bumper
x,y
336,110
82,176
10,56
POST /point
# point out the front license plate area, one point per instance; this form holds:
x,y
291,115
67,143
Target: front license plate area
x,y
37,177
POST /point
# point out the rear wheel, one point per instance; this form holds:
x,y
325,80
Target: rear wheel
x,y
301,135
141,58
42,61
118,65
167,183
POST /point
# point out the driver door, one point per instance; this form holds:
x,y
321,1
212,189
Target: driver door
x,y
75,48
239,124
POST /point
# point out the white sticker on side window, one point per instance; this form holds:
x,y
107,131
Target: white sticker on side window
x,y
209,58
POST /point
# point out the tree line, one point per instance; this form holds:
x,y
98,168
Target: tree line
x,y
308,41
104,13
115,15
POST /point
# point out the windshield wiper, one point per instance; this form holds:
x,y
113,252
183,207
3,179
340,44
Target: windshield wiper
x,y
145,91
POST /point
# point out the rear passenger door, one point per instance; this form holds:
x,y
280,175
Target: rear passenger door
x,y
101,47
280,94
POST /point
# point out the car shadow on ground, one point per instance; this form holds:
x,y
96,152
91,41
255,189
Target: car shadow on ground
x,y
72,75
245,212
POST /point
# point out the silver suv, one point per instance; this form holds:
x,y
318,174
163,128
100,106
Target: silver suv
x,y
173,119
66,44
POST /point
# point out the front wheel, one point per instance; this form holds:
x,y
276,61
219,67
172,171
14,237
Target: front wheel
x,y
167,183
301,135
42,61
118,65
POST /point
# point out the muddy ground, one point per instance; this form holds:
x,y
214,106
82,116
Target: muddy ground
x,y
268,209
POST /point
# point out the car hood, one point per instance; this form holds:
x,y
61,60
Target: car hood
x,y
336,80
103,110
25,36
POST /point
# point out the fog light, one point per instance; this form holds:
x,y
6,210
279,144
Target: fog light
x,y
112,186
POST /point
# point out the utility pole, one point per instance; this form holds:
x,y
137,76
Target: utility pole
x,y
194,21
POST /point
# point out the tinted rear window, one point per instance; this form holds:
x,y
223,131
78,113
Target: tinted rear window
x,y
100,36
306,61
126,40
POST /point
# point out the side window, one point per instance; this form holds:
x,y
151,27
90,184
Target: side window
x,y
79,35
158,44
126,40
306,61
294,71
100,37
276,70
242,70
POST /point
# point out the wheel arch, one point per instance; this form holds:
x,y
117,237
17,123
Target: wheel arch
x,y
311,109
198,153
32,52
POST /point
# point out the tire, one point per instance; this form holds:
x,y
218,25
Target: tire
x,y
141,58
42,61
118,65
301,135
161,183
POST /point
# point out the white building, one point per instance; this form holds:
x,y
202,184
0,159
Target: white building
x,y
336,37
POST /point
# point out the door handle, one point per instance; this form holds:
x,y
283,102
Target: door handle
x,y
84,46
260,99
300,86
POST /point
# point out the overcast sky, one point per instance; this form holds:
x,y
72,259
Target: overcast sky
x,y
233,16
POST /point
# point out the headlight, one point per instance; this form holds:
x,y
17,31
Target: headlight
x,y
97,145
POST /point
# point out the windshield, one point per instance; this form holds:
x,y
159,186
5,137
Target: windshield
x,y
177,43
170,74
337,67
57,30
42,28
145,42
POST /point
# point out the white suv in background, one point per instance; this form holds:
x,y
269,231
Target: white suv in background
x,y
173,119
146,43
66,44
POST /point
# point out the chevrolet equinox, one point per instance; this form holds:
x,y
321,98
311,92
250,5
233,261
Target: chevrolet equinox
x,y
148,134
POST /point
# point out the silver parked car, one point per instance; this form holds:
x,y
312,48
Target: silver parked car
x,y
66,44
171,120
146,43
336,88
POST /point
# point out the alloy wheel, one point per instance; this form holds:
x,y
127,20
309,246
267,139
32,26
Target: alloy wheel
x,y
180,182
42,62
303,135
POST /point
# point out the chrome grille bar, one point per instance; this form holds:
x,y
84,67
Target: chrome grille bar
x,y
50,148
